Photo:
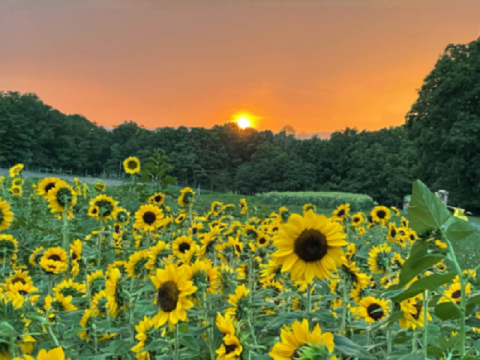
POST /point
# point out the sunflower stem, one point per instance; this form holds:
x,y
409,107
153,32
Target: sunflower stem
x,y
176,355
52,335
309,304
252,330
210,338
99,248
425,323
344,306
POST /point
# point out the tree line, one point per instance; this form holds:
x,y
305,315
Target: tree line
x,y
438,144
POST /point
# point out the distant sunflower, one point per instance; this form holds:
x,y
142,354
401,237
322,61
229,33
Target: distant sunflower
x,y
309,246
16,170
59,303
17,182
412,236
283,214
70,288
395,211
230,349
195,228
413,313
380,214
100,186
216,208
35,255
379,259
61,196
157,199
76,256
46,185
397,262
392,232
156,255
204,276
54,260
341,212
209,241
16,190
93,211
239,302
357,219
136,264
404,222
354,275
107,206
184,247
6,215
148,218
186,197
114,293
297,338
454,292
132,165
123,216
173,288
371,309
308,207
8,246
243,206
180,218
263,239
145,334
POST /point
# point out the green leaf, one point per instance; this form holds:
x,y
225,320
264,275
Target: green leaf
x,y
447,311
458,229
349,348
414,266
426,211
418,355
430,283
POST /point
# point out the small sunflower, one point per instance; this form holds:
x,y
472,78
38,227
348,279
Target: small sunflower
x,y
357,219
379,259
173,288
132,165
283,214
46,185
413,313
70,288
371,309
93,211
239,302
106,205
16,190
204,276
243,206
35,255
148,218
61,196
230,349
147,331
308,207
181,218
395,211
309,246
216,208
297,338
123,216
54,260
8,246
16,170
341,212
380,214
114,293
6,215
184,247
263,239
454,292
136,266
186,197
59,303
156,255
157,199
392,232
209,241
100,186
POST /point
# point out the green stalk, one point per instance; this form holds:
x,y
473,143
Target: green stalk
x,y
99,248
425,323
176,355
210,338
344,306
309,304
252,330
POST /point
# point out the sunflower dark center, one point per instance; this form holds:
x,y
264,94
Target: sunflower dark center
x,y
194,231
393,232
74,256
375,312
132,165
49,187
457,294
64,197
237,248
22,292
167,296
54,257
149,217
230,348
18,280
298,352
184,247
105,207
94,211
381,214
341,213
262,241
419,310
1,216
158,198
311,245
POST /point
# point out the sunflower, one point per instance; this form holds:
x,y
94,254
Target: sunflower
x,y
380,214
184,247
131,165
239,302
186,197
216,208
454,292
123,216
243,206
157,199
392,232
35,255
413,313
357,219
16,170
379,259
371,309
6,216
70,288
8,246
361,231
230,349
209,241
404,222
283,214
263,239
16,190
195,228
172,291
181,218
297,338
351,249
61,196
46,185
395,211
412,236
148,218
441,244
106,205
308,207
100,186
157,253
341,212
93,211
19,292
18,276
136,266
354,275
54,260
146,331
309,246
96,281
114,293
55,354
397,262
59,303
76,250
204,276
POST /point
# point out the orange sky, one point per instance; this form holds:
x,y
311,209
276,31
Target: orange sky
x,y
318,65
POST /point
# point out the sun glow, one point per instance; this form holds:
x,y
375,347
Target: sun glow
x,y
244,120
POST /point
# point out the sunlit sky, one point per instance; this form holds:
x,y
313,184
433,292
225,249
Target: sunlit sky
x,y
318,66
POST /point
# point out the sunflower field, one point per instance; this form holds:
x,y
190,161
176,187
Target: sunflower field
x,y
135,272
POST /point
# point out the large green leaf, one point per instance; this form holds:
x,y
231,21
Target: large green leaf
x,y
349,348
447,311
414,266
430,283
458,229
426,211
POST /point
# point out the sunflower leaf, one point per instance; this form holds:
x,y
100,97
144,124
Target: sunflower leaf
x,y
447,311
349,348
414,266
458,229
426,211
430,283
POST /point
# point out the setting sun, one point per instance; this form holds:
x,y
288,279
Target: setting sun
x,y
244,122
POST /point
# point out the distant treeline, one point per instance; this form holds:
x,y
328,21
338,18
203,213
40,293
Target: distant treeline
x,y
439,144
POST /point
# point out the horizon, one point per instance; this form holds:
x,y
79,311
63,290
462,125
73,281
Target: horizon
x,y
316,67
